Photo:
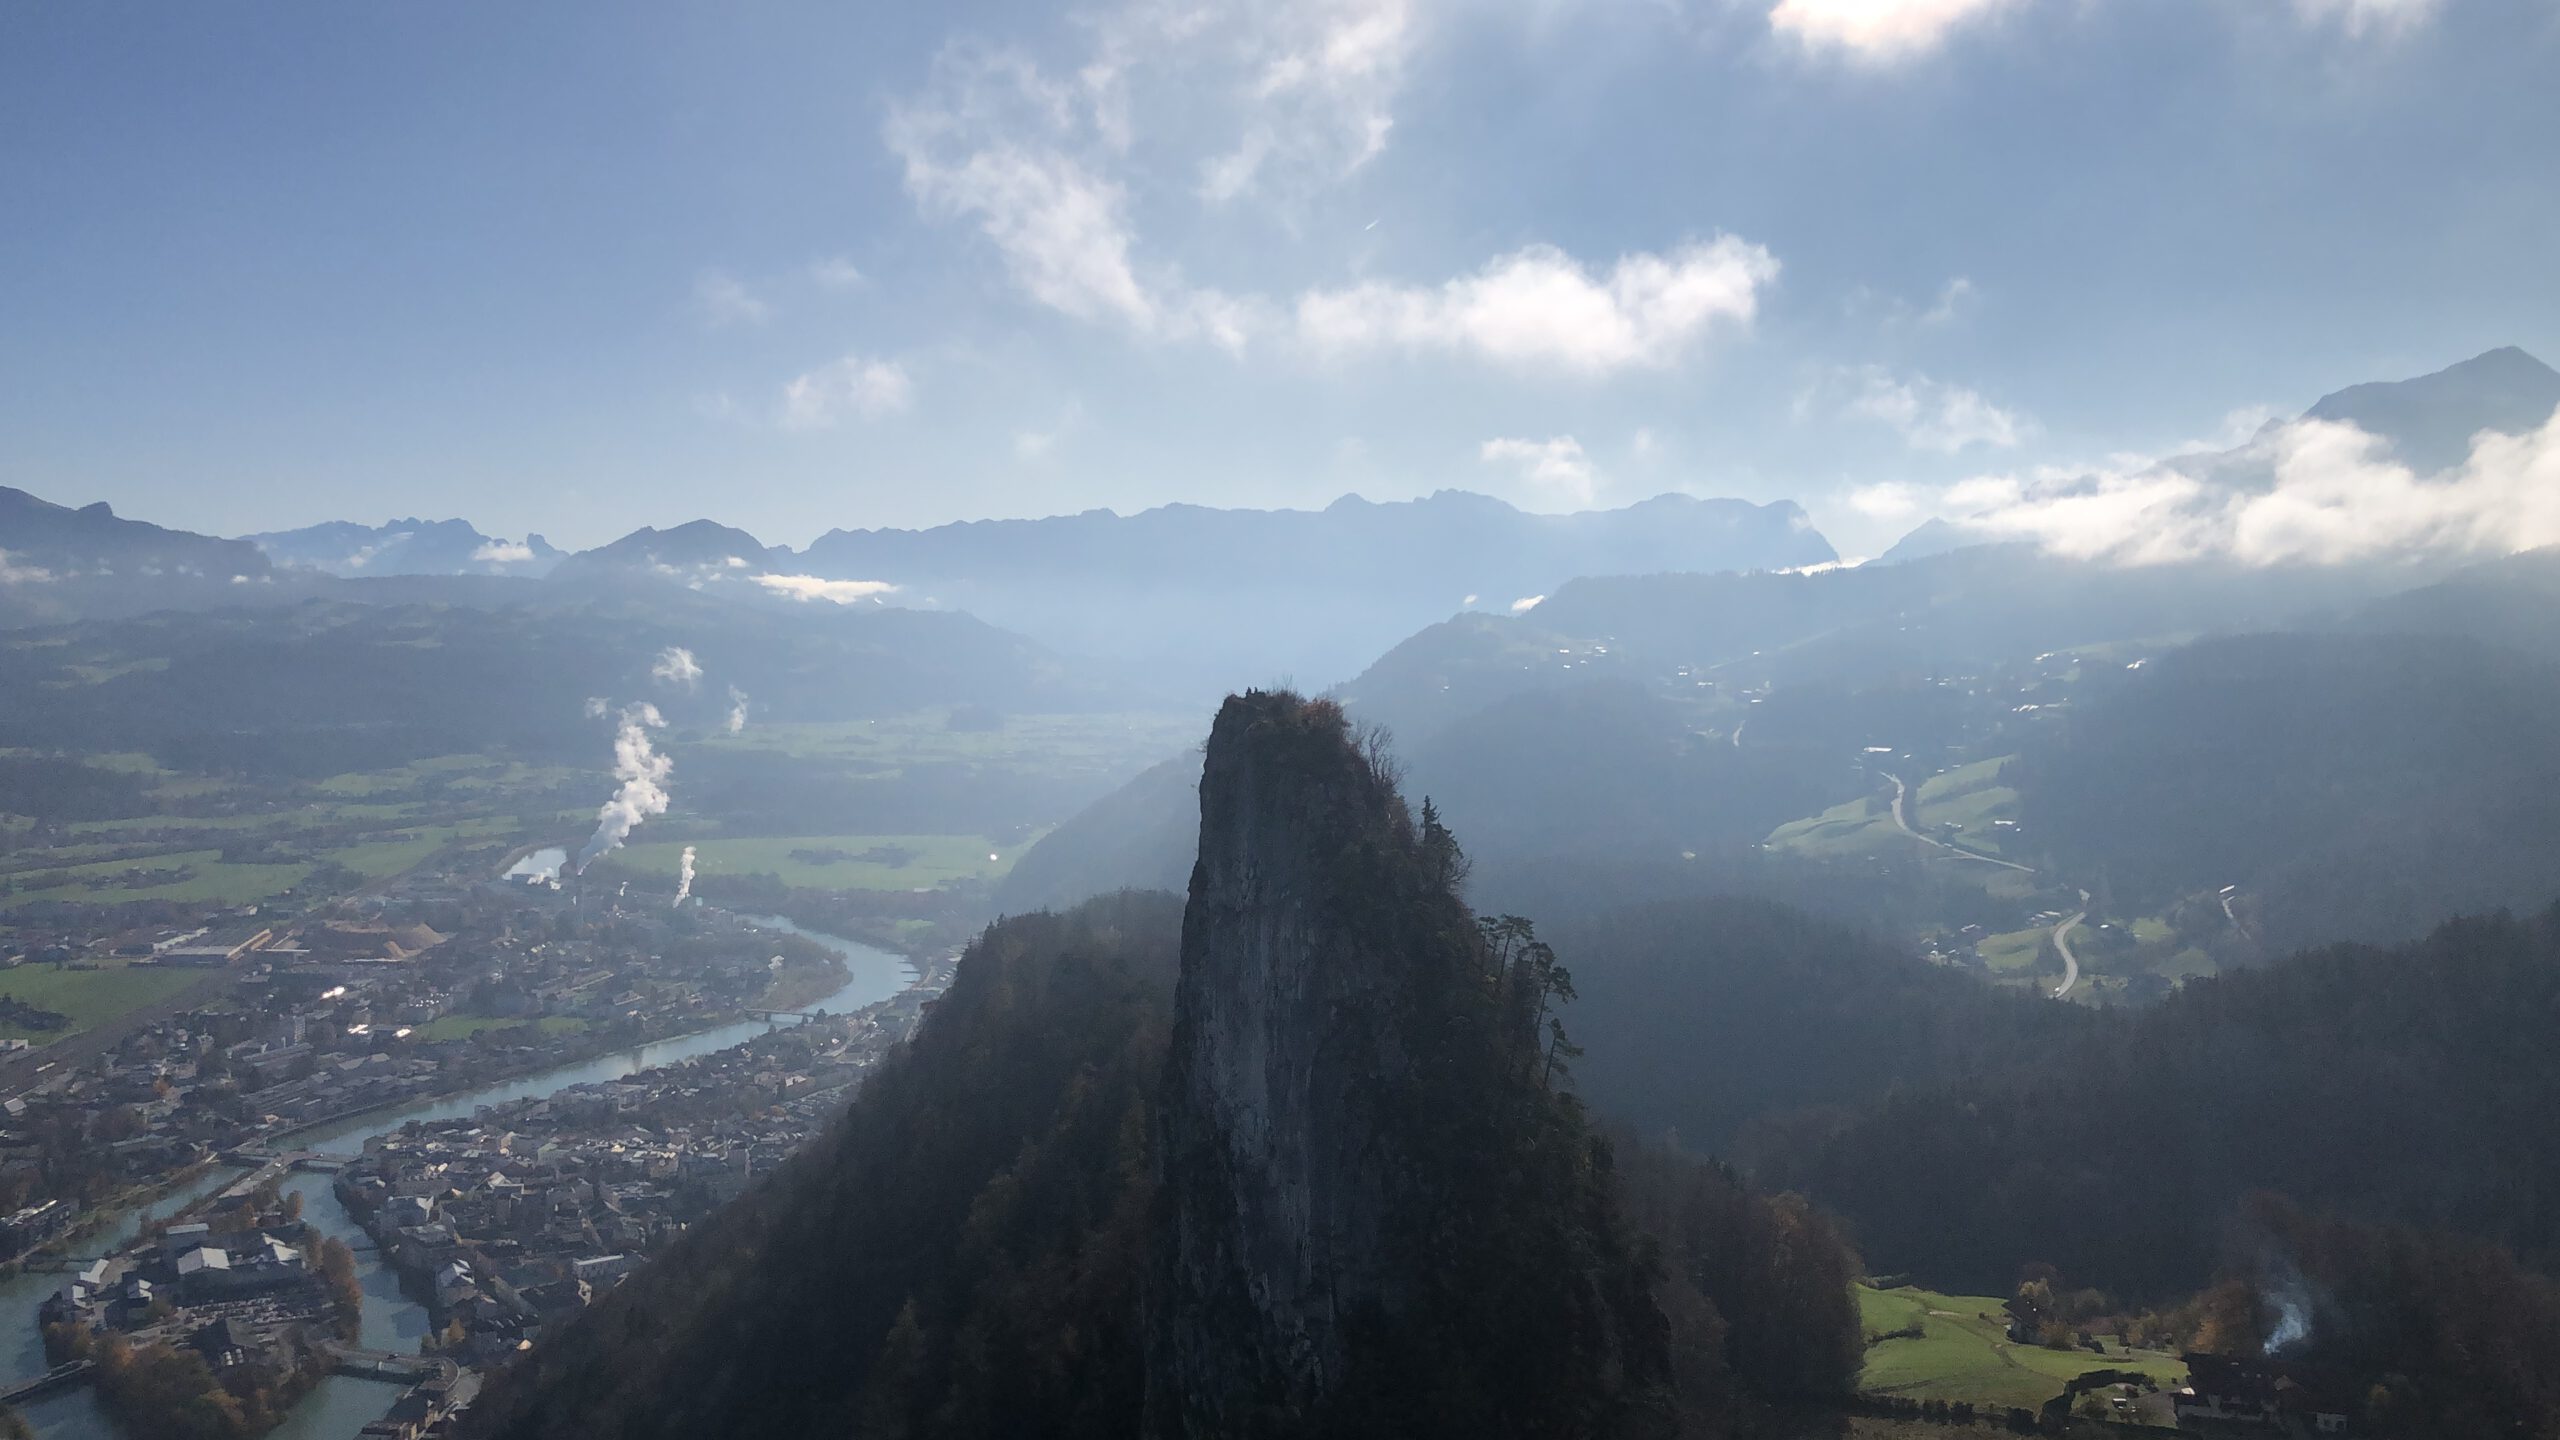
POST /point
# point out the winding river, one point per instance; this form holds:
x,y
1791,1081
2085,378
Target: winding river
x,y
343,1405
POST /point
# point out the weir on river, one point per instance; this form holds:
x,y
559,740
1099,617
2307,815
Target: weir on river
x,y
344,1404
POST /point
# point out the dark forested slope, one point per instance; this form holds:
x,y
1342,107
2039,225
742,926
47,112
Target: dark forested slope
x,y
2360,786
959,1254
2410,1085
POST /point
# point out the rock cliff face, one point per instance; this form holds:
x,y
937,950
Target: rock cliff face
x,y
1347,1133
1272,1147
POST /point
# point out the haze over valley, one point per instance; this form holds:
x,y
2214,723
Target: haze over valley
x,y
1729,720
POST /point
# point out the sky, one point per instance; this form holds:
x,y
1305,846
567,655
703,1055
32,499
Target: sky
x,y
572,269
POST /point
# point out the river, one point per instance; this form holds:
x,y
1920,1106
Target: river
x,y
343,1405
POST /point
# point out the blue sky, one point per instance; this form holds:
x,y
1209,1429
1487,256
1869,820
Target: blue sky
x,y
574,269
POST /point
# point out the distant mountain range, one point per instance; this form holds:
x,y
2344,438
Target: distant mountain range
x,y
406,547
1206,599
57,563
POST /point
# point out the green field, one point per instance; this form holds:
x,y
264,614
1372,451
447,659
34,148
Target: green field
x,y
88,997
1963,1352
463,1027
2016,950
208,880
832,862
1854,827
1969,797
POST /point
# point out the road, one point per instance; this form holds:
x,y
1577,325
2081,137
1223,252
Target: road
x,y
1901,793
2062,942
2061,932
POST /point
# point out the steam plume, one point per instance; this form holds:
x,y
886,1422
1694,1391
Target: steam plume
x,y
643,793
684,876
737,709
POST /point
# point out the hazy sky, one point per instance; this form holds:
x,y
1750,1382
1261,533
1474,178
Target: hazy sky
x,y
575,269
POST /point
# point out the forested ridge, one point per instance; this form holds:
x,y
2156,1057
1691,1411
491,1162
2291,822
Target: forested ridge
x,y
2409,1085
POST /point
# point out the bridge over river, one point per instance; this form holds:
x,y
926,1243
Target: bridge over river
x,y
64,1376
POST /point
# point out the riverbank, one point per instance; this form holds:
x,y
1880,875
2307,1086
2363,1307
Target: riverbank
x,y
393,1320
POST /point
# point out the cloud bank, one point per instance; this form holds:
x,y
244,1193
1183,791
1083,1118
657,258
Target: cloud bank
x,y
2335,494
818,587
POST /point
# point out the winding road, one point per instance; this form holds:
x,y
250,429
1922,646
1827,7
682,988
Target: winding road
x,y
2061,932
1901,793
2062,942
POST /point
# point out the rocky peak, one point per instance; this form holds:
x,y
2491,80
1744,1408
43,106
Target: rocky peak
x,y
1347,1122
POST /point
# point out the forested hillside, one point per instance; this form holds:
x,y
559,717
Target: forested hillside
x,y
2410,1085
2358,786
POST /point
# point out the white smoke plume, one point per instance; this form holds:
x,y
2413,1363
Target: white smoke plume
x,y
643,792
684,876
676,666
2334,493
737,709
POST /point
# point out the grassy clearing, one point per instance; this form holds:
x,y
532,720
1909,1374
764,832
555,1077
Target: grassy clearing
x,y
463,1027
1963,1352
1971,798
2016,950
834,862
89,997
1853,827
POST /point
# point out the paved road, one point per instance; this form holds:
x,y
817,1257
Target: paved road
x,y
1902,793
2062,942
2061,932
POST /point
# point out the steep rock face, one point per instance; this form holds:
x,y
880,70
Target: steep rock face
x,y
1270,1143
1374,1216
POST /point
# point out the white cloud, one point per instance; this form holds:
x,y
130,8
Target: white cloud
x,y
13,573
724,300
1890,500
676,666
503,552
1932,415
1316,96
818,587
2368,17
998,143
1954,298
2335,495
1541,307
852,386
1877,31
1527,603
1281,98
836,273
1557,467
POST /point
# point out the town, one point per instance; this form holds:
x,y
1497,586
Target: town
x,y
470,1058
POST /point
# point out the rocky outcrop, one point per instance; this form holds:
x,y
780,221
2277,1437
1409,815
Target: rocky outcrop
x,y
1348,1135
